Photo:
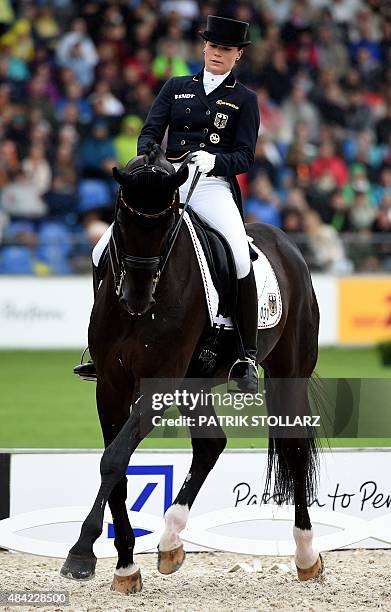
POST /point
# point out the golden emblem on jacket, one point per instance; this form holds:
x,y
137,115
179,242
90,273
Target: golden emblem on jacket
x,y
228,104
215,138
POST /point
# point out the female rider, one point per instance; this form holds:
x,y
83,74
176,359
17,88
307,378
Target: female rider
x,y
217,118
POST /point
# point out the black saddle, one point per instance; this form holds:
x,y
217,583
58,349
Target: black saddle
x,y
221,262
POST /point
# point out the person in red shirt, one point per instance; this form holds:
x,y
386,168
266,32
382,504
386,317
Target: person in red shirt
x,y
328,169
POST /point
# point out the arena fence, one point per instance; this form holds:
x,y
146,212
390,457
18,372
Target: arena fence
x,y
355,310
48,493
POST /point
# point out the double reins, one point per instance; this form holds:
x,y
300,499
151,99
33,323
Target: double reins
x,y
119,258
175,231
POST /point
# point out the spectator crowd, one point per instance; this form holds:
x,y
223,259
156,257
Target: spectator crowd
x,y
77,80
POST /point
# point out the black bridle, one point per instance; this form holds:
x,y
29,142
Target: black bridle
x,y
120,260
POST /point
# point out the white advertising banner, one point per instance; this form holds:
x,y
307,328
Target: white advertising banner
x,y
47,313
53,313
326,291
352,507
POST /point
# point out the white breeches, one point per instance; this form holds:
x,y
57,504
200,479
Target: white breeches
x,y
100,246
212,200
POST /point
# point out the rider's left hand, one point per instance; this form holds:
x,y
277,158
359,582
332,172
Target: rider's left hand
x,y
204,161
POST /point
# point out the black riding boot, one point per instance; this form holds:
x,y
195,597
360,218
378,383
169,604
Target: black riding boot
x,y
87,370
244,372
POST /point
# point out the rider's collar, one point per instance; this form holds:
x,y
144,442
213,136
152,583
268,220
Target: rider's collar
x,y
214,80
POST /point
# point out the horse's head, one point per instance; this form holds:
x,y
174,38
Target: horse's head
x,y
145,214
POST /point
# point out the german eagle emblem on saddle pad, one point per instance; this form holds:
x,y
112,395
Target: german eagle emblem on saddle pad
x,y
269,296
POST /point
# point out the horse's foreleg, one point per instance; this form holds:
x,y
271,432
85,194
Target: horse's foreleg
x,y
206,451
124,540
81,561
127,575
112,418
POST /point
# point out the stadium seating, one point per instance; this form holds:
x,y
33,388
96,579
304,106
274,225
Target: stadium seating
x,y
54,247
16,260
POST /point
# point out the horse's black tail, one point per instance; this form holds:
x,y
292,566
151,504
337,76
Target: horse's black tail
x,y
291,459
278,465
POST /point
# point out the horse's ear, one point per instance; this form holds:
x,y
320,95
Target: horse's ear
x,y
182,175
120,176
178,178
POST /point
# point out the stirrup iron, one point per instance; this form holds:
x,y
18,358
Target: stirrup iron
x,y
85,370
246,380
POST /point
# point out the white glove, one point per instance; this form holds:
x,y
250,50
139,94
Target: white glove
x,y
204,161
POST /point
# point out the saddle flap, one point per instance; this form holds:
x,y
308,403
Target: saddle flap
x,y
220,261
269,295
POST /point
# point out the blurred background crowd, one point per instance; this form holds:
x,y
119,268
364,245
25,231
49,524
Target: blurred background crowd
x,y
77,80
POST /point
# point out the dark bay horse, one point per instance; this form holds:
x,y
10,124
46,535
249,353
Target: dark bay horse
x,y
147,326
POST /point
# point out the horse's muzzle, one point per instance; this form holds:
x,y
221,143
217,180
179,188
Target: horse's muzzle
x,y
136,309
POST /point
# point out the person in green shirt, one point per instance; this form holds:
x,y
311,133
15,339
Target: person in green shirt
x,y
169,63
358,183
125,143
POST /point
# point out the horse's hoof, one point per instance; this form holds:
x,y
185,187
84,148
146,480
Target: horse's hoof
x,y
79,567
127,584
313,572
169,561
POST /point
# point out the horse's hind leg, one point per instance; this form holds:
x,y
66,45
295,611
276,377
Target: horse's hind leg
x,y
294,463
294,459
206,451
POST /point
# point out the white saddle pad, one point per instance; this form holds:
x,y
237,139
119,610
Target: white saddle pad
x,y
269,296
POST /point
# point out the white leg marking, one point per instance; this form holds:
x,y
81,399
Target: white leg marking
x,y
176,518
127,571
306,554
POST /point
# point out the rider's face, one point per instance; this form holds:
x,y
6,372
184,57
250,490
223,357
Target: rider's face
x,y
220,59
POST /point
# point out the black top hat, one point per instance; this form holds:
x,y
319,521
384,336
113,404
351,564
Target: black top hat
x,y
224,31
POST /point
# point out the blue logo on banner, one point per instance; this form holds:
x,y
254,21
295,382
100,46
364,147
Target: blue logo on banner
x,y
148,470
